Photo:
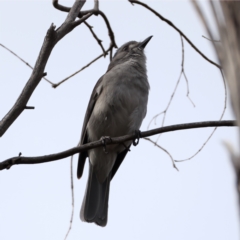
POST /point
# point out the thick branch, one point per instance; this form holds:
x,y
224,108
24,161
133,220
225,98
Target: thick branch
x,y
37,74
116,140
51,39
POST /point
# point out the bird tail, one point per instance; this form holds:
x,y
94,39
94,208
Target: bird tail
x,y
95,203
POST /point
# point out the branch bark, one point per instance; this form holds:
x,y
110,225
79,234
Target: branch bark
x,y
51,39
115,140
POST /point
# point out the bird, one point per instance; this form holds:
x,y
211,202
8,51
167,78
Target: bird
x,y
117,107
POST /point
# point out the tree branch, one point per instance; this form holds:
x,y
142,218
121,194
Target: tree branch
x,y
55,85
99,41
116,140
51,39
95,11
13,53
177,29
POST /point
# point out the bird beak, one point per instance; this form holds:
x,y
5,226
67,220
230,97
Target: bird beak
x,y
144,43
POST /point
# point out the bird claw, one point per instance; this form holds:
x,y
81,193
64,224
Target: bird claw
x,y
104,139
137,137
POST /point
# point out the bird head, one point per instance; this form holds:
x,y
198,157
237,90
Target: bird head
x,y
131,50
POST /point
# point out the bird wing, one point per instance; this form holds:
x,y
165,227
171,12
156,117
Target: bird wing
x,y
84,136
119,160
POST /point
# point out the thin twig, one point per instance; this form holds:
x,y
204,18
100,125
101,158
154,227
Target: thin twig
x,y
188,91
110,31
211,39
22,60
163,149
196,49
177,29
209,137
55,85
202,17
182,72
116,140
52,37
99,41
72,196
95,11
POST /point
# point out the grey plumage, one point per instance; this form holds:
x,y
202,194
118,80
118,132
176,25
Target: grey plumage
x,y
117,106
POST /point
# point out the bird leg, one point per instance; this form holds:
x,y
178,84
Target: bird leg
x,y
138,135
104,139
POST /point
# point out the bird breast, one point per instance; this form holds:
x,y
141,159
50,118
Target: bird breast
x,y
122,103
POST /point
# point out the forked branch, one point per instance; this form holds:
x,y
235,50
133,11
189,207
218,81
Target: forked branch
x,y
52,38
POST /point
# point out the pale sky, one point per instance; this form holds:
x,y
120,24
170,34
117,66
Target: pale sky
x,y
149,199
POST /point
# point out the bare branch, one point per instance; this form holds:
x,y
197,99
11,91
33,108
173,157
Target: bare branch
x,y
95,11
177,29
29,107
96,5
184,74
60,7
72,196
51,39
173,93
209,137
81,20
110,31
211,40
53,157
65,79
55,85
99,41
203,18
163,149
22,60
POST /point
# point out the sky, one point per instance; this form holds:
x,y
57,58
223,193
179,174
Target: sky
x,y
149,199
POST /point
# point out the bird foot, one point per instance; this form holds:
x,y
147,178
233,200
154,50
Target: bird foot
x,y
138,135
104,140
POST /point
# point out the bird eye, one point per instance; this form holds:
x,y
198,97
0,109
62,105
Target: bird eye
x,y
125,48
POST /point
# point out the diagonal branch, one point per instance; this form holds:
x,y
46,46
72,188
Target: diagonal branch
x,y
52,38
55,85
177,29
22,60
99,41
164,150
95,11
116,140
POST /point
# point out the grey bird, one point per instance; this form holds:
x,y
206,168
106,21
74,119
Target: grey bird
x,y
117,107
